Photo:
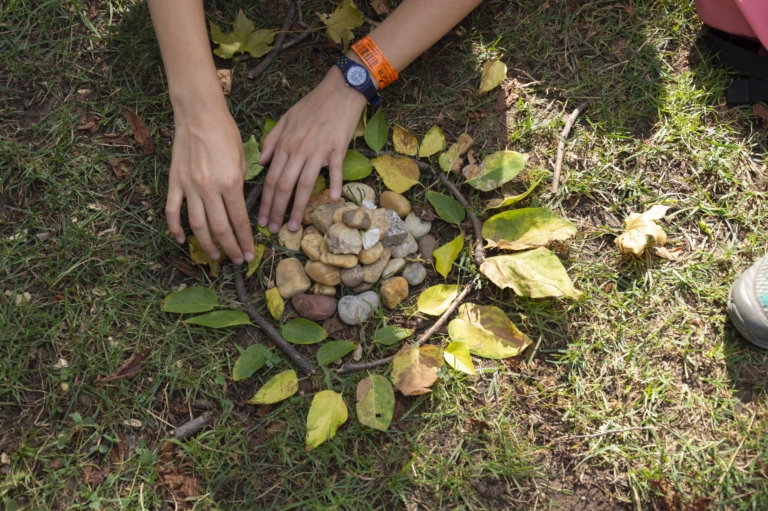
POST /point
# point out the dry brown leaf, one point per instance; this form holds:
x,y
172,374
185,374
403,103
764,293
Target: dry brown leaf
x,y
121,168
225,79
471,157
380,6
187,269
507,96
639,227
93,476
426,215
760,110
471,171
673,254
131,367
181,484
140,130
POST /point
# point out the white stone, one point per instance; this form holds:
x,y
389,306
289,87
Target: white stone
x,y
406,248
416,226
415,273
368,204
353,310
371,237
392,267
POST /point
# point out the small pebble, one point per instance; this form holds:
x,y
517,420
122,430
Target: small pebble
x,y
358,192
394,291
354,309
427,245
392,267
416,226
351,277
415,273
395,202
407,247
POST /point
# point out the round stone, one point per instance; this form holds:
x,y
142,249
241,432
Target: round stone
x,y
356,218
407,247
416,226
358,192
393,266
290,278
316,201
290,239
395,202
371,255
354,309
341,239
394,291
352,276
312,243
414,274
314,307
427,245
323,273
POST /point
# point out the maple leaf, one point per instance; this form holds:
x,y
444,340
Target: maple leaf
x,y
639,227
341,22
243,38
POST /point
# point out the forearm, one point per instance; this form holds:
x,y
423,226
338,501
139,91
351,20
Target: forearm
x,y
183,39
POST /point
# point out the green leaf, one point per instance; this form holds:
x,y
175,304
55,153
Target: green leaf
x,y
326,413
340,24
243,38
375,402
447,254
519,229
457,356
433,142
269,125
220,319
509,199
334,350
494,72
376,131
404,142
414,370
303,331
263,230
398,173
275,303
319,185
191,300
250,361
355,166
390,335
534,273
497,169
279,387
258,253
252,155
487,332
449,158
447,208
436,299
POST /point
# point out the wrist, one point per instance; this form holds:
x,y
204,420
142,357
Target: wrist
x,y
335,79
195,94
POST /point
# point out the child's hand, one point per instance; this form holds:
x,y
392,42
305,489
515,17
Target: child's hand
x,y
208,167
313,134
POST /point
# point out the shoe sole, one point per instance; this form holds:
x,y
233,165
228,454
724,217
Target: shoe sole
x,y
749,302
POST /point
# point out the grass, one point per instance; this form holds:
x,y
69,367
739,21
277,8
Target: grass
x,y
648,352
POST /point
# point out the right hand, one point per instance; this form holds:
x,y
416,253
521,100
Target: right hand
x,y
208,169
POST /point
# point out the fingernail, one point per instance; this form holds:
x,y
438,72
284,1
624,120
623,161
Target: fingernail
x,y
273,227
214,256
335,194
293,225
180,239
237,260
262,221
248,256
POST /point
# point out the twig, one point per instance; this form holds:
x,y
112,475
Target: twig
x,y
264,64
296,40
188,429
274,335
348,368
561,143
603,433
250,201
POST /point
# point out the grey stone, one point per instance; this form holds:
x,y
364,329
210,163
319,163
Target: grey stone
x,y
341,239
415,273
352,276
407,247
427,245
322,217
358,192
416,226
353,310
392,267
372,272
397,230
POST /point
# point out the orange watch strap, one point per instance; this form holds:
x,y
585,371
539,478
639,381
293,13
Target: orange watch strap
x,y
374,59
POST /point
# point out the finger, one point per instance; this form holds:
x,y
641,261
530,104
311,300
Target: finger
x,y
284,189
199,225
219,220
270,185
173,210
238,219
336,160
270,143
304,191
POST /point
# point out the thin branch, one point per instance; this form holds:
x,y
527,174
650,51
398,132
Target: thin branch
x,y
250,201
348,368
561,143
264,64
190,428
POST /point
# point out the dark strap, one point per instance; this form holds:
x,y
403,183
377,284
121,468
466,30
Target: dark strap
x,y
742,92
741,60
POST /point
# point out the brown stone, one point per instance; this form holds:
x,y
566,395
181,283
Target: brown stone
x,y
341,239
322,217
290,278
314,307
339,212
380,221
356,218
322,289
351,277
372,272
371,255
323,273
427,245
290,239
395,202
316,201
362,287
312,243
393,291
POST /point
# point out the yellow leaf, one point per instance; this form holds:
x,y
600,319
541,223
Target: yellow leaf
x,y
243,38
414,370
639,227
494,72
326,413
275,303
447,254
341,22
198,255
487,332
258,253
434,142
436,299
398,173
457,356
279,387
405,142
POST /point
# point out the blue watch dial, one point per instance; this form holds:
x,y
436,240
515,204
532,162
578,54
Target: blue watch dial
x,y
356,76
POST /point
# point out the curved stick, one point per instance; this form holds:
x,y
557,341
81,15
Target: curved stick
x,y
561,144
272,55
348,368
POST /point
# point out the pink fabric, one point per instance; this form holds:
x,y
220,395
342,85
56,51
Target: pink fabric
x,y
747,18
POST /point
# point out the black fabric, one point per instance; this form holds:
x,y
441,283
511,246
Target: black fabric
x,y
742,92
741,56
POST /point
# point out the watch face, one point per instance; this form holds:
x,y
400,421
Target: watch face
x,y
356,76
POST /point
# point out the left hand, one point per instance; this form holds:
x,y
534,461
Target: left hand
x,y
313,134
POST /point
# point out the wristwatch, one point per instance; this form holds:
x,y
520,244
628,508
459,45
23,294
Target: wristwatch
x,y
359,78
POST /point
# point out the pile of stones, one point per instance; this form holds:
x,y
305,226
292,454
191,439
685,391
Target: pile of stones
x,y
356,243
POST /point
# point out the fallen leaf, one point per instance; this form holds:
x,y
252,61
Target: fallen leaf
x,y
116,139
375,402
672,254
520,229
507,96
191,300
131,367
471,171
140,131
450,159
424,214
340,24
390,335
639,227
220,319
225,80
447,208
279,387
181,484
198,255
376,131
447,254
355,166
380,6
508,199
250,361
760,110
433,142
534,273
121,168
258,253
93,476
414,370
303,331
404,142
252,156
436,299
464,142
487,332
326,413
456,354
334,350
496,169
398,173
275,303
243,38
269,125
132,423
494,72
